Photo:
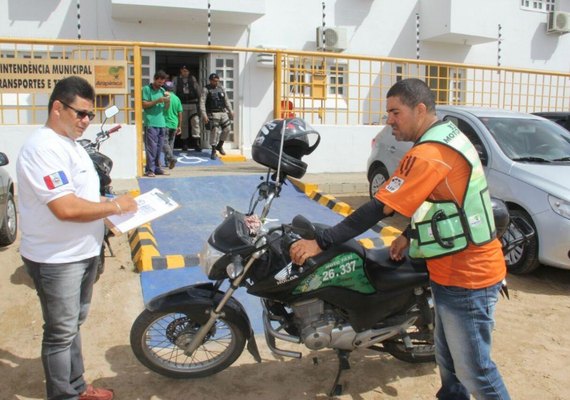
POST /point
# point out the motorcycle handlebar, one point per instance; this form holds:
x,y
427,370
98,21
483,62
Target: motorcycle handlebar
x,y
114,129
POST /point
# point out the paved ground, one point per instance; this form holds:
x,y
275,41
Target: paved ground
x,y
530,346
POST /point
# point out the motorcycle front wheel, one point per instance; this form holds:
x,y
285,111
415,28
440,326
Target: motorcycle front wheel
x,y
158,340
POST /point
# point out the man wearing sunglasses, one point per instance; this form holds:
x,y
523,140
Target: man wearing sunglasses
x,y
61,220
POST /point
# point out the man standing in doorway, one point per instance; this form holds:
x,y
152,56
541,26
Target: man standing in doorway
x,y
217,114
188,90
154,101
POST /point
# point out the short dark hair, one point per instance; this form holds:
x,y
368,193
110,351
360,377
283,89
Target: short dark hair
x,y
213,76
160,74
413,91
67,89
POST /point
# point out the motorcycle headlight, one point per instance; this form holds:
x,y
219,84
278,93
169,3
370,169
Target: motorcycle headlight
x,y
208,257
559,206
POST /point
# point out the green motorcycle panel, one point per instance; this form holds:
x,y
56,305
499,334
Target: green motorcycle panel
x,y
345,270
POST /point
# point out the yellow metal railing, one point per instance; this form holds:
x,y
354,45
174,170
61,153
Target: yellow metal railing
x,y
31,108
351,90
324,88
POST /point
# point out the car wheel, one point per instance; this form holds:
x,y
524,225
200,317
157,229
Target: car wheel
x,y
523,258
9,227
377,176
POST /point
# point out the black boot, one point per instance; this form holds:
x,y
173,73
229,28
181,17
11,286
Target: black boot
x,y
220,148
213,155
197,145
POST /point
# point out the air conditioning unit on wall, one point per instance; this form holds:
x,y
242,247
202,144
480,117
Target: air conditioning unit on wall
x,y
336,38
558,22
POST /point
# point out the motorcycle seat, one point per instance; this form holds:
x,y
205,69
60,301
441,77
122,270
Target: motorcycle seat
x,y
387,274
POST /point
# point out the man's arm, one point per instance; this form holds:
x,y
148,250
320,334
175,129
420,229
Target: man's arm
x,y
148,104
203,104
75,209
228,105
364,218
179,127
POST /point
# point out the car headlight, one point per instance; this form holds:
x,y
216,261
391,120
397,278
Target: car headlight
x,y
560,207
208,257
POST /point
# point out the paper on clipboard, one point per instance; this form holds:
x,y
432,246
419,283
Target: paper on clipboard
x,y
151,205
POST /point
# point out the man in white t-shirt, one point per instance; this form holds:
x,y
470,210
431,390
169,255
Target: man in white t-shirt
x,y
61,220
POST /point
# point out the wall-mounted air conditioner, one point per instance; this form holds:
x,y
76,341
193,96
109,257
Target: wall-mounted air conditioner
x,y
267,59
558,22
335,38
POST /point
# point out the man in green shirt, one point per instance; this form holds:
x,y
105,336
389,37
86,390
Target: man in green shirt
x,y
154,101
173,115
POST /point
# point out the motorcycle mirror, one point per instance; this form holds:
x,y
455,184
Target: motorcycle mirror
x,y
111,112
303,227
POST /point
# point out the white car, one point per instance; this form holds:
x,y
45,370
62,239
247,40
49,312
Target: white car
x,y
527,163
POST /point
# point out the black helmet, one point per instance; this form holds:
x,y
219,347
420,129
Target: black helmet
x,y
265,149
501,215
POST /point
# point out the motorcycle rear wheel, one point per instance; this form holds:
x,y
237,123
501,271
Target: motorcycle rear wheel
x,y
158,340
423,346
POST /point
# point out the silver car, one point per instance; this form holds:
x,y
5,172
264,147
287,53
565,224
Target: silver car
x,y
8,216
527,164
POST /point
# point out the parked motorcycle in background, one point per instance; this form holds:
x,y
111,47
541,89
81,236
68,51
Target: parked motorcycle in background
x,y
103,166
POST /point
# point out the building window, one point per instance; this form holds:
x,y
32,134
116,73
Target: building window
x,y
539,5
337,80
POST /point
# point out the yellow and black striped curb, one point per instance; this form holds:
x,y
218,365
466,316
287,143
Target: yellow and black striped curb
x,y
146,257
145,254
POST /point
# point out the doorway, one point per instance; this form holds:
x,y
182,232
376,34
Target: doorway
x,y
200,66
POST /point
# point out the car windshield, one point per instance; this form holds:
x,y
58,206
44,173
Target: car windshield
x,y
531,140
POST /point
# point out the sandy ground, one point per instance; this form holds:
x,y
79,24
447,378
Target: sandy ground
x,y
531,347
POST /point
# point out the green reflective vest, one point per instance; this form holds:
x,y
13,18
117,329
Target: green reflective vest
x,y
443,227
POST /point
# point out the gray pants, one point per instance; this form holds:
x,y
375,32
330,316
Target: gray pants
x,y
190,119
168,145
220,127
65,292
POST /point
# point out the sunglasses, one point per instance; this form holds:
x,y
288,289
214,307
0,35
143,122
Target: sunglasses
x,y
79,113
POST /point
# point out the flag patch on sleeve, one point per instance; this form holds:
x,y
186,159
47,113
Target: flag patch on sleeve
x,y
55,180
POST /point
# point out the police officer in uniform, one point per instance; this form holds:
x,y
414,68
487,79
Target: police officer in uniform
x,y
217,114
188,90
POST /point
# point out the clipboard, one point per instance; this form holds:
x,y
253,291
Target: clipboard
x,y
151,205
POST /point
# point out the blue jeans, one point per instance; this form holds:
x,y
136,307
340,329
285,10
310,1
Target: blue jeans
x,y
65,295
463,326
153,143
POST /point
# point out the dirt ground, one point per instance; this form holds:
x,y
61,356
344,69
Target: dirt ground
x,y
531,347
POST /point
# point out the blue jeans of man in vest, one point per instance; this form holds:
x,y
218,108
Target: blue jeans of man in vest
x,y
463,329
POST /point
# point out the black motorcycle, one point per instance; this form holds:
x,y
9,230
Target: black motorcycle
x,y
103,165
347,298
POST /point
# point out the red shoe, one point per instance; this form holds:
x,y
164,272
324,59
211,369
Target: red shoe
x,y
92,393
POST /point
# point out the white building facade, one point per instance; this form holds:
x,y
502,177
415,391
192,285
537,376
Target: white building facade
x,y
524,34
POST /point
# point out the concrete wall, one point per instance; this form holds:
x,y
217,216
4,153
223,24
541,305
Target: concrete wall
x,y
121,147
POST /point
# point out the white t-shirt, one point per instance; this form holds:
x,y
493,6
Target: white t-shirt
x,y
51,166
